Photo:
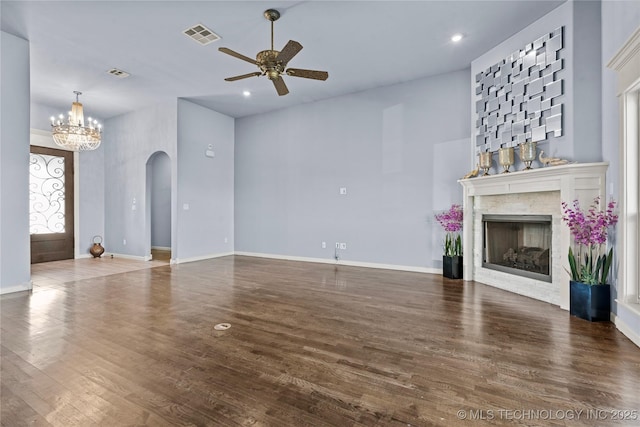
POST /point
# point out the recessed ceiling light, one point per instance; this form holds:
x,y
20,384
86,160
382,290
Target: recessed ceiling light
x,y
456,37
246,93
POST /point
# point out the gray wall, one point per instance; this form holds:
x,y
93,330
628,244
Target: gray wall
x,y
183,131
561,16
587,78
91,184
205,184
581,78
91,196
15,255
384,145
160,165
619,20
129,141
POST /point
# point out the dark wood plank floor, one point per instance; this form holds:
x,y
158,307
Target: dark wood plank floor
x,y
310,345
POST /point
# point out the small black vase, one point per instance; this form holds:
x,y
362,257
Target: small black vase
x,y
452,267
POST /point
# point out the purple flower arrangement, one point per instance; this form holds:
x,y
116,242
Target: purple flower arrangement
x,y
451,221
589,230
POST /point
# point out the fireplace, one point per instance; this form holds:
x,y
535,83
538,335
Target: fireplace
x,y
518,244
532,194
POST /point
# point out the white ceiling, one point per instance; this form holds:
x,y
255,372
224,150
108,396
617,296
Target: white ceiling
x,y
362,44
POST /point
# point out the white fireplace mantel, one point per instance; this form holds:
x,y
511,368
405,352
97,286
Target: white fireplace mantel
x,y
531,192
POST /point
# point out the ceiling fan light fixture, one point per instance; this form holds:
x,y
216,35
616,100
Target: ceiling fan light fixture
x,y
74,134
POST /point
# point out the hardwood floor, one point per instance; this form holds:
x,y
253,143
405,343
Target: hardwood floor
x,y
161,255
60,272
309,345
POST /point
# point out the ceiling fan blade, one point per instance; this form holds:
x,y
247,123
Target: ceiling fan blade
x,y
244,76
237,55
307,74
281,88
290,50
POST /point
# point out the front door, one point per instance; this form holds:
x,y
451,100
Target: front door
x,y
50,204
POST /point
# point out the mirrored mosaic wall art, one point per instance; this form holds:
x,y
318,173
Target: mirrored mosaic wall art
x,y
517,98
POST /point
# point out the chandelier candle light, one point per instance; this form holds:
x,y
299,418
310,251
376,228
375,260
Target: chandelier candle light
x,y
74,135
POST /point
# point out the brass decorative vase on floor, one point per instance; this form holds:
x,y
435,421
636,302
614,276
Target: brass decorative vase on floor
x,y
97,250
506,158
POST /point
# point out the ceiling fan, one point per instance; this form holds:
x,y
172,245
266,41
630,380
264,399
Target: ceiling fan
x,y
273,63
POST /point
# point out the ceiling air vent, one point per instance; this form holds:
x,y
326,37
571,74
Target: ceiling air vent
x,y
118,73
201,34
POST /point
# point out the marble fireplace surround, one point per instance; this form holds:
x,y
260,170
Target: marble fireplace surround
x,y
533,192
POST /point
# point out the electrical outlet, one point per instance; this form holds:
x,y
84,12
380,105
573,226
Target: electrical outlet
x,y
343,246
226,240
343,191
337,245
324,245
124,242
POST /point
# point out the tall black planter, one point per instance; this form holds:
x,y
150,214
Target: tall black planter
x,y
590,302
452,267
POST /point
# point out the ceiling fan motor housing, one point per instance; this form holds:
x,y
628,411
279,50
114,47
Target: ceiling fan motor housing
x,y
269,64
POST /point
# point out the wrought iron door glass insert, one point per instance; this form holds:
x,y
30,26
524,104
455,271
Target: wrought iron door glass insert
x,y
46,194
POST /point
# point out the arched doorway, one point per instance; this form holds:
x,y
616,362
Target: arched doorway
x,y
158,212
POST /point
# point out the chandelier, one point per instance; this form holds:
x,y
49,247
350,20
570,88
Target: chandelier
x,y
74,135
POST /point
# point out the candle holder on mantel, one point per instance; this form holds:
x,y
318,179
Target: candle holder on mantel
x,y
506,158
528,153
485,162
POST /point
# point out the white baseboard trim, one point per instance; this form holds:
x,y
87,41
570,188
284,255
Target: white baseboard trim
x,y
17,288
82,256
126,256
199,258
624,328
344,262
287,258
161,248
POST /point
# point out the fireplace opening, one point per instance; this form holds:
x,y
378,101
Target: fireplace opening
x,y
518,244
